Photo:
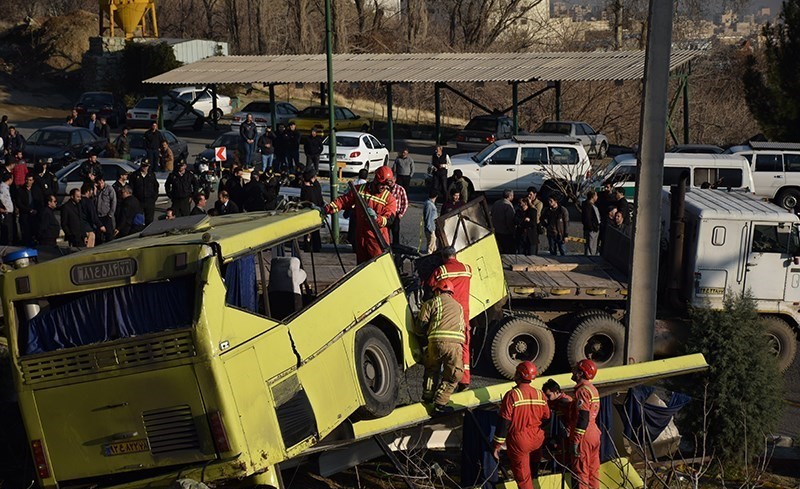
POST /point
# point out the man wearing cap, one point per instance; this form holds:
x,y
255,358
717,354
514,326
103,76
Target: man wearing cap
x,y
144,185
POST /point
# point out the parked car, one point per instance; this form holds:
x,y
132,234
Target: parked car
x,y
358,150
316,115
593,142
483,130
262,114
537,160
230,140
69,177
59,145
708,149
776,170
180,150
104,104
145,112
204,101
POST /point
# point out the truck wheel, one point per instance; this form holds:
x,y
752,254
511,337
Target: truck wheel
x,y
782,340
598,337
377,373
580,316
519,339
788,198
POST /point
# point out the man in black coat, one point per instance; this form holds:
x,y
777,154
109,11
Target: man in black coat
x,y
145,188
90,169
71,220
89,217
622,205
103,130
255,194
181,185
590,217
29,202
45,179
199,204
311,191
313,148
224,205
248,131
235,187
152,143
131,216
49,227
292,147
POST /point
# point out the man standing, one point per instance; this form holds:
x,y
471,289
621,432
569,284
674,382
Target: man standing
x,y
459,274
460,185
622,205
429,215
292,147
381,208
522,412
20,170
248,131
123,145
590,216
199,204
89,219
49,227
180,187
29,202
45,179
311,191
441,319
440,162
8,218
91,123
584,434
165,157
71,220
90,169
14,141
555,219
131,217
266,145
144,186
403,167
503,222
224,205
255,194
236,187
106,199
400,196
103,131
152,143
4,127
280,142
313,148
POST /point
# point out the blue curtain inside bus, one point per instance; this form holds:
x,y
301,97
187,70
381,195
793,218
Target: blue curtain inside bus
x,y
240,282
110,314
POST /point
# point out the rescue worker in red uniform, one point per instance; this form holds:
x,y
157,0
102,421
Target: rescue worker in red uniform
x,y
460,275
584,433
560,404
381,208
522,413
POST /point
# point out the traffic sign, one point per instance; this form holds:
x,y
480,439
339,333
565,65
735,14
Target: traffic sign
x,y
220,154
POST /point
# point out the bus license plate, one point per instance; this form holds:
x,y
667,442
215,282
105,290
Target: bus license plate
x,y
125,447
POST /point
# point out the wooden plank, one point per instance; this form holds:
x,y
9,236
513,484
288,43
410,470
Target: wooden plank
x,y
558,267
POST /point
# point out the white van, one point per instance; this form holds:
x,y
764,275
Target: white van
x,y
717,171
776,170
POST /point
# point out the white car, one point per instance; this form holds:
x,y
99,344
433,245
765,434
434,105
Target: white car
x,y
145,112
70,178
522,162
357,150
204,102
262,114
593,142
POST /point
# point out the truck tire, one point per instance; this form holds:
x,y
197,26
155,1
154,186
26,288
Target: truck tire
x,y
598,337
788,198
377,370
581,315
782,340
519,339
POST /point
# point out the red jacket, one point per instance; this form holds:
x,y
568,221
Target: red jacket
x,y
522,412
585,408
384,206
20,171
460,275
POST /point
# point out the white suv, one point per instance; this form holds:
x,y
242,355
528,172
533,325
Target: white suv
x,y
524,161
776,170
204,102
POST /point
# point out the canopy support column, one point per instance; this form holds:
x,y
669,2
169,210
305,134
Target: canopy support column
x,y
437,104
390,116
515,107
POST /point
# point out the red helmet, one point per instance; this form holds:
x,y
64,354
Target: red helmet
x,y
384,175
526,371
588,368
444,285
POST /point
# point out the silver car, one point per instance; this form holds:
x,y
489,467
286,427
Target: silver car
x,y
69,177
595,143
262,114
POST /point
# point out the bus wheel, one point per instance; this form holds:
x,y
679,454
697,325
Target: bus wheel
x,y
377,373
522,338
781,339
598,337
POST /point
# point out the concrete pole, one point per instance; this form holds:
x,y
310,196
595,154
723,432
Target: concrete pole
x,y
646,231
686,103
558,100
515,107
437,109
390,116
331,118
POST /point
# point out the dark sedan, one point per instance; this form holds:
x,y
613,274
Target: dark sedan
x,y
180,150
104,104
59,145
483,130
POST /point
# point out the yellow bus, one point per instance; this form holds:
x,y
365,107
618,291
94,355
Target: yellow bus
x,y
212,348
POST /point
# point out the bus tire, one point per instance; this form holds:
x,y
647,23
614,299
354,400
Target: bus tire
x,y
598,337
377,369
519,339
782,340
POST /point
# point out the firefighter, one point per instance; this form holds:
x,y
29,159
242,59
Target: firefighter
x,y
560,404
381,208
459,274
584,434
522,413
441,319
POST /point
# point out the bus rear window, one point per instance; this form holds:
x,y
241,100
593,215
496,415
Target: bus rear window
x,y
105,315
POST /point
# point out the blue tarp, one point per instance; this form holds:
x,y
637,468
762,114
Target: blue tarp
x,y
637,414
110,314
477,463
240,282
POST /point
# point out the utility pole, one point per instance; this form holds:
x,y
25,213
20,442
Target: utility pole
x,y
331,119
649,178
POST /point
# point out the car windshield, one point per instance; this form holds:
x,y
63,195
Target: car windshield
x,y
483,154
482,124
344,142
147,103
313,113
257,107
226,140
43,137
555,128
95,99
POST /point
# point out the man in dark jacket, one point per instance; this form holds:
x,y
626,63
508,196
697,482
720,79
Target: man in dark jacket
x,y
48,223
199,204
255,194
292,147
29,202
235,187
45,179
181,185
590,216
89,218
152,143
103,131
123,145
90,169
248,131
224,205
145,188
313,148
555,219
4,128
14,141
622,205
266,146
131,217
311,191
71,220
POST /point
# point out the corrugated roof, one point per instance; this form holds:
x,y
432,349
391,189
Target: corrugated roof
x,y
418,68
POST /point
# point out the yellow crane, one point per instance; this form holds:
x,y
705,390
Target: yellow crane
x,y
128,15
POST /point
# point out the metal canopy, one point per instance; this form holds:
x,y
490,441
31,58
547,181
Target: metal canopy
x,y
419,68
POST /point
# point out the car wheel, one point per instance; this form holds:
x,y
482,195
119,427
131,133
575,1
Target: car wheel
x,y
789,198
377,370
601,153
216,115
